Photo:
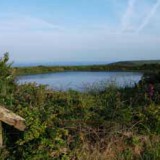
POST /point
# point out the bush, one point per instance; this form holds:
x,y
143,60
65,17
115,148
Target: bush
x,y
120,123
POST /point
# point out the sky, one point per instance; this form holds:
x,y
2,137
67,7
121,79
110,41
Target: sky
x,y
80,30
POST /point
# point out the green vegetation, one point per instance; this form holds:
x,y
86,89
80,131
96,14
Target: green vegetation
x,y
113,123
140,62
143,66
49,69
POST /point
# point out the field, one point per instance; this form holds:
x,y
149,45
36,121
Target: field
x,y
99,124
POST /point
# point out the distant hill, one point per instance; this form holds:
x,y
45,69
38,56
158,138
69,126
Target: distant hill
x,y
135,63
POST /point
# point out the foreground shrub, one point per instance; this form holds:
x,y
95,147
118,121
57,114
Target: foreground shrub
x,y
113,123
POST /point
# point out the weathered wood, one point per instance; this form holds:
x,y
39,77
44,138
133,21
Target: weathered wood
x,y
1,136
12,119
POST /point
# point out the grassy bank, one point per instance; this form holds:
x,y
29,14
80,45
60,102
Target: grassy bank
x,y
119,66
113,123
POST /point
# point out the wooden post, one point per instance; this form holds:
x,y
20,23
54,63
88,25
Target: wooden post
x,y
10,118
1,136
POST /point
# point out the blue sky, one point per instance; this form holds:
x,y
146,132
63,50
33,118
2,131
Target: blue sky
x,y
80,30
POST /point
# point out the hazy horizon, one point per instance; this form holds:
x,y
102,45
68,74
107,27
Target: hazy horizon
x,y
36,31
60,63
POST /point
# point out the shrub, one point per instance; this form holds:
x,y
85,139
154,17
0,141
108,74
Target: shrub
x,y
112,122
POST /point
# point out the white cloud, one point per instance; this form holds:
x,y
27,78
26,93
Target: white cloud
x,y
25,23
126,19
147,19
138,15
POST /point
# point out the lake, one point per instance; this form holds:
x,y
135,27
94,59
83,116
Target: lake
x,y
81,80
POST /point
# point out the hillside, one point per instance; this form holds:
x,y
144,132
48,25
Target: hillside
x,y
135,63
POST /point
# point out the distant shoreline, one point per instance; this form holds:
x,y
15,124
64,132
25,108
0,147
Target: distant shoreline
x,y
132,66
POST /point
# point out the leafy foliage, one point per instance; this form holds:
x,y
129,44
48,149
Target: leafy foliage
x,y
116,123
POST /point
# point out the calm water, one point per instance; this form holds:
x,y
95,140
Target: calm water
x,y
81,80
